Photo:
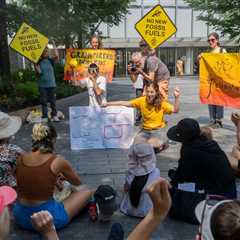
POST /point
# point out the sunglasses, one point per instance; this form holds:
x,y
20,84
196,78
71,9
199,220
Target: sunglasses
x,y
92,70
211,200
211,40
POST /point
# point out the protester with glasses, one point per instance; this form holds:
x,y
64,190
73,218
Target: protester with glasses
x,y
215,112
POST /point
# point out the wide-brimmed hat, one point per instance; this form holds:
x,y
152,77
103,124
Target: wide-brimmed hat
x,y
7,196
186,130
9,125
142,159
206,225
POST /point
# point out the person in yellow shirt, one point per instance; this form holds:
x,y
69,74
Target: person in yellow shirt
x,y
153,108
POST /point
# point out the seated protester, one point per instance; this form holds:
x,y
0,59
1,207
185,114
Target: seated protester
x,y
96,86
7,196
219,220
37,173
9,125
153,108
203,165
142,171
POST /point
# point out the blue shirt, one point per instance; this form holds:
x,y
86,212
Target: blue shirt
x,y
47,77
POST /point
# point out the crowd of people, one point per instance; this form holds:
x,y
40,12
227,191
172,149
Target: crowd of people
x,y
201,189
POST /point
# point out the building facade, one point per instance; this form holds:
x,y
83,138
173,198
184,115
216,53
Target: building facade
x,y
189,40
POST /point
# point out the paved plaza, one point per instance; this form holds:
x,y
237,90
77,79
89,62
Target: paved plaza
x,y
108,166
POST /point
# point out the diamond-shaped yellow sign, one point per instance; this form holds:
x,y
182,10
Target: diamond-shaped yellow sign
x,y
29,42
155,27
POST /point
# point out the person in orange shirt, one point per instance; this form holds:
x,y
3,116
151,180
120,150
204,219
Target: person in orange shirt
x,y
153,108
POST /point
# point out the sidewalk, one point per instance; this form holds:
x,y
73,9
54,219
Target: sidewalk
x,y
109,165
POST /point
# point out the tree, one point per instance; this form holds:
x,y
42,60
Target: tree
x,y
4,54
223,15
66,21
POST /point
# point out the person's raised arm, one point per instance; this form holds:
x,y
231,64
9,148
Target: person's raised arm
x,y
160,196
98,89
177,102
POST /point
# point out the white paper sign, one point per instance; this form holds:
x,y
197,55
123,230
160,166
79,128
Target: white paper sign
x,y
110,127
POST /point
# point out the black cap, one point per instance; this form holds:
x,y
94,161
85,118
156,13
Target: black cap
x,y
186,130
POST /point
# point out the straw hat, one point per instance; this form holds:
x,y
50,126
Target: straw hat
x,y
9,125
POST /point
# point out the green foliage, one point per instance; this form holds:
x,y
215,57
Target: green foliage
x,y
65,20
222,15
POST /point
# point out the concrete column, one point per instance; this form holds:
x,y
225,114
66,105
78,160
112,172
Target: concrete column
x,y
188,61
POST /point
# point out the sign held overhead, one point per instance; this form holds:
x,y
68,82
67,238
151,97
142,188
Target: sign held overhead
x,y
29,42
155,27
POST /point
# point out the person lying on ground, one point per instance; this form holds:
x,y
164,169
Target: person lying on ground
x,y
142,171
203,165
160,196
153,108
9,125
37,173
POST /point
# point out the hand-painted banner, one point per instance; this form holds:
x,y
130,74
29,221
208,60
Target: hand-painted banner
x,y
220,79
78,60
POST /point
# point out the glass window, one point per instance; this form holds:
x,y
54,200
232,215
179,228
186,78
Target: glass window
x,y
150,2
167,2
117,31
167,55
181,3
171,13
184,19
136,2
103,29
199,27
132,18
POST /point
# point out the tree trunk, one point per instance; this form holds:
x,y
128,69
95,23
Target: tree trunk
x,y
4,53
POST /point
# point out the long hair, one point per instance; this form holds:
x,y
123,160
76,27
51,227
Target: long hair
x,y
158,98
225,221
43,138
100,45
216,36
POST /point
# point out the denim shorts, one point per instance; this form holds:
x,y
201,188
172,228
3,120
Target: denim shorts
x,y
22,214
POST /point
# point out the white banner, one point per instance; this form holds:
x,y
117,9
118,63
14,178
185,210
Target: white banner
x,y
100,128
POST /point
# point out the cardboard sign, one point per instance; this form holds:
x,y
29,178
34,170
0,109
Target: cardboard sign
x,y
78,60
155,27
29,42
99,128
220,79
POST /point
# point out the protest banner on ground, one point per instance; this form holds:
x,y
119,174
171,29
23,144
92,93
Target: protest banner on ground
x,y
29,42
220,79
98,128
155,27
78,60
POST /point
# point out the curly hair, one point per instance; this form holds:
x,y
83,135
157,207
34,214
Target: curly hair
x,y
43,137
158,98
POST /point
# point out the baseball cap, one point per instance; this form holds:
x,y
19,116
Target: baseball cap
x,y
105,197
142,159
206,224
7,196
186,130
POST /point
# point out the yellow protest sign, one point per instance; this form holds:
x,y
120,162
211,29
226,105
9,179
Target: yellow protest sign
x,y
29,42
155,27
78,60
220,79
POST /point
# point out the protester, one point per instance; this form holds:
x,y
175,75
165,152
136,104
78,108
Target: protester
x,y
96,85
153,108
180,66
220,220
154,69
37,173
9,125
202,165
96,42
137,79
47,83
159,194
142,171
215,112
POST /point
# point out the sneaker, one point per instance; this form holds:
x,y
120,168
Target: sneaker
x,y
55,119
219,123
44,120
116,232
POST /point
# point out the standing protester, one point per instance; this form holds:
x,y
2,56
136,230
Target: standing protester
x,y
137,78
47,83
215,112
96,42
153,107
154,69
96,86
